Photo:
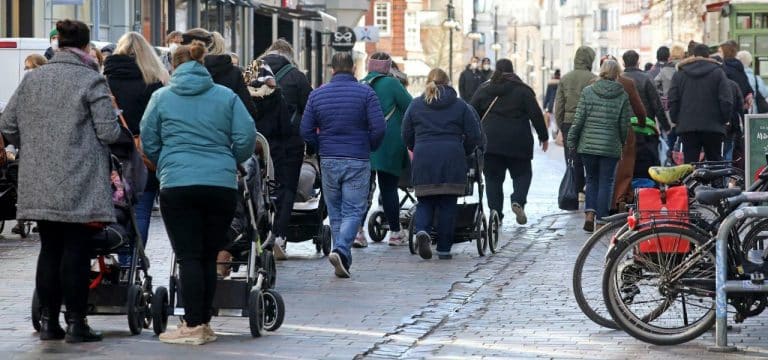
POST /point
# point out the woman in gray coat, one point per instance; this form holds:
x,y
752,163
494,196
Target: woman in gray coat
x,y
62,119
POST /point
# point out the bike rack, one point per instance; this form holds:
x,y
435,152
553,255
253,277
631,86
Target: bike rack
x,y
723,285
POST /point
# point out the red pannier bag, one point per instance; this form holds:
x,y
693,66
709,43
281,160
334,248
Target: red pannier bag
x,y
652,206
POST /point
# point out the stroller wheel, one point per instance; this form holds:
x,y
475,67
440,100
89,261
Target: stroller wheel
x,y
411,238
36,311
159,310
135,307
274,310
325,237
493,231
481,234
268,264
376,226
256,312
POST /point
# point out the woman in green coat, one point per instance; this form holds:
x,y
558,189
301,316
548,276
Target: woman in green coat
x,y
389,160
598,134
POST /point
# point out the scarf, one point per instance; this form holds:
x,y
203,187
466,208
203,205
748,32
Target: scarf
x,y
379,66
84,57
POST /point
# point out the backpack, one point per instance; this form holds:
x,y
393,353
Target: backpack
x,y
289,116
370,83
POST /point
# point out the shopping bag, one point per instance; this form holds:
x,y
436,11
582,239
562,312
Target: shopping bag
x,y
568,197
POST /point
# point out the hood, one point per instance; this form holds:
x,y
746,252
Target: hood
x,y
190,78
276,61
217,64
447,98
503,87
698,66
607,89
122,67
734,64
584,58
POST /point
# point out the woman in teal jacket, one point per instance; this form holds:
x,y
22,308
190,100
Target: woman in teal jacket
x,y
389,160
196,132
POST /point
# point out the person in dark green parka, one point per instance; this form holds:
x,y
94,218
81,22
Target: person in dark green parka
x,y
391,158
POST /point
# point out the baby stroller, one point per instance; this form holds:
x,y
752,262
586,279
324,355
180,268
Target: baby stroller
x,y
471,222
377,222
251,294
9,172
307,219
116,289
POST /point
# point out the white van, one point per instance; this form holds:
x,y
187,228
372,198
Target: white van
x,y
13,51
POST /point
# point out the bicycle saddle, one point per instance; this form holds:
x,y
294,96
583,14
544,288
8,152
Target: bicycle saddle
x,y
669,175
710,196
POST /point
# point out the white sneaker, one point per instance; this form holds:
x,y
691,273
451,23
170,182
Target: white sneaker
x,y
399,238
360,240
185,335
279,248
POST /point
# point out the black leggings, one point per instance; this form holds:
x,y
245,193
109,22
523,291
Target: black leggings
x,y
64,266
388,198
196,219
288,161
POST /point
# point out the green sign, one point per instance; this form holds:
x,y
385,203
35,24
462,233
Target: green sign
x,y
755,144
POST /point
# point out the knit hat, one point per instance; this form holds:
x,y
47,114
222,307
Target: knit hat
x,y
380,66
53,33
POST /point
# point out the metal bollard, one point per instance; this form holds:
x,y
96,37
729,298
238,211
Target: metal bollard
x,y
723,286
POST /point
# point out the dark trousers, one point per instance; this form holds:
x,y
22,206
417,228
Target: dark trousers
x,y
196,219
694,142
389,199
578,164
495,171
288,161
445,207
64,266
601,172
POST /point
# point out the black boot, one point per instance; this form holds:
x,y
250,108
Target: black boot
x,y
79,331
49,326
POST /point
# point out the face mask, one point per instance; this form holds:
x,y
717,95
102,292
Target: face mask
x,y
55,44
172,48
473,66
487,67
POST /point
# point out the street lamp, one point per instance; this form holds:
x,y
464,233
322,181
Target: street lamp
x,y
474,35
451,24
496,46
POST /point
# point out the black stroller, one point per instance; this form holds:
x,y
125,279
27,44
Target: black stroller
x,y
377,222
251,294
471,222
307,219
117,289
9,176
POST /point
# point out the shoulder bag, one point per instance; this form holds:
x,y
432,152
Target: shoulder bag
x,y
136,138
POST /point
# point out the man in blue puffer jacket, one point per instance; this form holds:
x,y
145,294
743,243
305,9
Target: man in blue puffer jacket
x,y
343,120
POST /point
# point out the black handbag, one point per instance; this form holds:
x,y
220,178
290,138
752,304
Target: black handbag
x,y
568,196
762,105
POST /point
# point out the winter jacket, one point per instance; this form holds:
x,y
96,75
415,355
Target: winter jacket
x,y
272,114
294,84
549,96
391,157
649,96
700,97
49,52
733,128
571,85
61,117
507,126
602,120
469,81
196,131
343,119
226,74
635,103
734,70
663,80
128,87
486,74
757,84
441,135
656,69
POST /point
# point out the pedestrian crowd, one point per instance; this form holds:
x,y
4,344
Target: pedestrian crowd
x,y
195,113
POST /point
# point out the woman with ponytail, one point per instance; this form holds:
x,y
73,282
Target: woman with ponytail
x,y
196,132
441,129
509,108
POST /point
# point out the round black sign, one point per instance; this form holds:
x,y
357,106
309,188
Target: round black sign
x,y
343,39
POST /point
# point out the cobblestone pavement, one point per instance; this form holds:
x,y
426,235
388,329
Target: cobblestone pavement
x,y
514,304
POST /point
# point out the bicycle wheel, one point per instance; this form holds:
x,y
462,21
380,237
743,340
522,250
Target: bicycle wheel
x,y
588,273
659,290
755,238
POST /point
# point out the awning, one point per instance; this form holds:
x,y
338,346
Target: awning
x,y
416,68
291,14
716,7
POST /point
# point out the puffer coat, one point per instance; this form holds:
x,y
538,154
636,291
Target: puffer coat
x,y
62,119
571,85
602,120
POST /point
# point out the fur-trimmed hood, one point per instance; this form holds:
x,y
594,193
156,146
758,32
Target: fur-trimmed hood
x,y
698,66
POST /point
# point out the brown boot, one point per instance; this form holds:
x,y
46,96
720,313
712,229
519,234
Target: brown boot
x,y
223,268
589,221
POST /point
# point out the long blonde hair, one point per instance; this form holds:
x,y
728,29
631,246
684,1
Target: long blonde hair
x,y
218,44
134,45
435,78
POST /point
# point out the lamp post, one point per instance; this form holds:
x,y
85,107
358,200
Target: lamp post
x,y
496,46
474,34
450,23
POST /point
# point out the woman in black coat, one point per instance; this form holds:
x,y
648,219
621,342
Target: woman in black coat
x,y
440,129
133,73
508,108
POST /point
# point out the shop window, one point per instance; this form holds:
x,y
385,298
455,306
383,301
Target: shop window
x,y
382,17
746,42
761,45
743,21
761,20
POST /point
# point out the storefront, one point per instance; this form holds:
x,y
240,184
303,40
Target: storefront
x,y
749,26
228,17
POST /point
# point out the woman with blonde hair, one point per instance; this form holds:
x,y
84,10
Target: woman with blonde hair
x,y
219,64
134,72
599,131
441,129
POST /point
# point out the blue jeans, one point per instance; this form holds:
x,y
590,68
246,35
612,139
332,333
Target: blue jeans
x,y
728,148
445,206
345,189
601,172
